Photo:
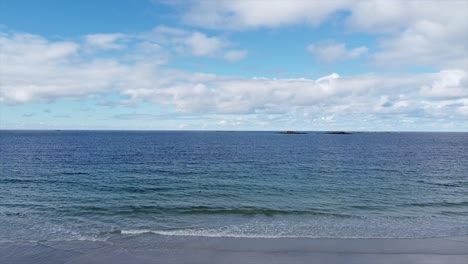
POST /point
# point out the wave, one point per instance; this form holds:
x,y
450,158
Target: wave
x,y
451,213
439,204
201,210
8,213
445,183
17,180
256,211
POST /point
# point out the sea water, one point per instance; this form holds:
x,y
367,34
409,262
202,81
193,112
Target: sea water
x,y
65,185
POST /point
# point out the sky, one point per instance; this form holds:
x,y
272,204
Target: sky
x,y
385,65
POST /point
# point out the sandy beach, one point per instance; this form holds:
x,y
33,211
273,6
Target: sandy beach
x,y
151,248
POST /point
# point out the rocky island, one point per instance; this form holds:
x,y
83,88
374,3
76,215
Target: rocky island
x,y
338,133
291,132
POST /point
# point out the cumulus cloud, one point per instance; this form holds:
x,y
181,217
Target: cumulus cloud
x,y
417,32
193,43
364,15
41,69
235,55
201,45
448,84
165,30
104,41
331,52
253,14
44,70
424,33
155,117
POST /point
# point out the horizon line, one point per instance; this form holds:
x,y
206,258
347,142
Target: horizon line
x,y
226,130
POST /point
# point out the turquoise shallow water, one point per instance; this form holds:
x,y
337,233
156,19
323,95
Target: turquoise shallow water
x,y
60,185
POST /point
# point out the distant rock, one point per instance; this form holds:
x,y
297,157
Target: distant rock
x,y
338,132
292,133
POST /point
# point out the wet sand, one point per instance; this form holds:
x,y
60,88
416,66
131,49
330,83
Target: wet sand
x,y
151,248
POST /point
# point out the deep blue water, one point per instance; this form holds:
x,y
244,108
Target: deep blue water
x,y
90,184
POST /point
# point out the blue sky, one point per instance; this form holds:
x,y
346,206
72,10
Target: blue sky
x,y
234,65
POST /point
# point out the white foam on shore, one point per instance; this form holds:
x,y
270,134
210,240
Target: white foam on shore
x,y
280,228
205,233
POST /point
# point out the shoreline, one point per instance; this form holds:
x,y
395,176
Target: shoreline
x,y
153,248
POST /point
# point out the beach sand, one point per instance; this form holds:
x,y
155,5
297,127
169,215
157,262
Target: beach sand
x,y
152,248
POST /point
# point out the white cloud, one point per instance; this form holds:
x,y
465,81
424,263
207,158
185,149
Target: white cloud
x,y
391,16
33,50
40,69
43,70
425,33
417,46
163,41
449,84
201,45
148,51
235,55
194,43
231,123
170,30
364,15
253,14
104,41
422,33
331,52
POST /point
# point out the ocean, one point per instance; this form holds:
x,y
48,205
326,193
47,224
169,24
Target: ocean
x,y
92,185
